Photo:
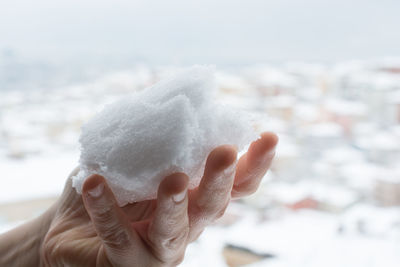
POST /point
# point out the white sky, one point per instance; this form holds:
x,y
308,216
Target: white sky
x,y
207,31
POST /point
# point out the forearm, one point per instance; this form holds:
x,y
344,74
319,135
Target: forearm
x,y
21,246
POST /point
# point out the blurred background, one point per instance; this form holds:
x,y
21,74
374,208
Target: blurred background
x,y
324,75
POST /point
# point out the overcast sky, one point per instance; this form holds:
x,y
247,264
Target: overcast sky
x,y
207,31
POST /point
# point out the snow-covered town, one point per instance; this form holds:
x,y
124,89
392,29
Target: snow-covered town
x,y
332,197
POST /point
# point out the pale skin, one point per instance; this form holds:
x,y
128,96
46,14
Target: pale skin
x,y
92,230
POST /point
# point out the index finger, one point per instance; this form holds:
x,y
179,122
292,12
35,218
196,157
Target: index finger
x,y
110,223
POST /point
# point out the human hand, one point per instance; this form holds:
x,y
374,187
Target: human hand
x,y
92,230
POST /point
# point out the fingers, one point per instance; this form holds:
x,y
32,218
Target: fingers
x,y
169,227
253,165
213,193
109,221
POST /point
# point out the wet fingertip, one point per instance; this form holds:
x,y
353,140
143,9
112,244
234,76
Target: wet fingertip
x,y
93,186
96,191
179,197
174,183
271,138
231,169
265,145
175,186
222,157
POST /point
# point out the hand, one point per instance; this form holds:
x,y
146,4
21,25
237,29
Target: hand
x,y
92,230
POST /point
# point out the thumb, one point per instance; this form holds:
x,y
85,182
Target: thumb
x,y
110,223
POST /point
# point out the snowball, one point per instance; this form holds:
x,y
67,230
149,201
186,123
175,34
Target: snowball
x,y
170,127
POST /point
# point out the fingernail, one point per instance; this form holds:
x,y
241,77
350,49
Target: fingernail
x,y
230,170
96,191
270,153
180,196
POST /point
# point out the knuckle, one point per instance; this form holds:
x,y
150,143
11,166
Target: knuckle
x,y
176,242
253,190
247,188
106,219
103,212
253,187
179,259
221,212
109,229
213,209
208,206
169,250
195,236
116,238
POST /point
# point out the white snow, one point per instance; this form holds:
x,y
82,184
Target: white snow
x,y
170,127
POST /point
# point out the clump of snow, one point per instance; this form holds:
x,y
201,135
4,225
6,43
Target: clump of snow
x,y
172,126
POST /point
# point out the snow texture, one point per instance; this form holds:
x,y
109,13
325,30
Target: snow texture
x,y
169,127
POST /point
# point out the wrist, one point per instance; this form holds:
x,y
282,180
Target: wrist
x,y
21,246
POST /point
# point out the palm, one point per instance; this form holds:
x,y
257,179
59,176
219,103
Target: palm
x,y
79,246
72,232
